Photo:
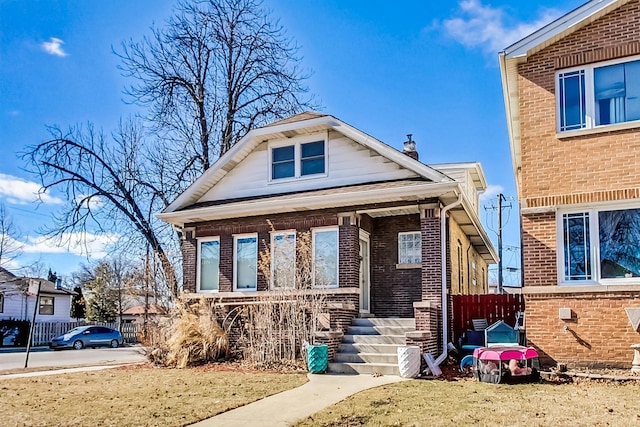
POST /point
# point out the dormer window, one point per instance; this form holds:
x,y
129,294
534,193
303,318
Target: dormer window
x,y
297,160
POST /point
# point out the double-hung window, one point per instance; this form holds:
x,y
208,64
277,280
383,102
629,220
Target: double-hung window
x,y
209,264
294,160
245,256
46,306
409,248
325,257
598,95
600,245
283,259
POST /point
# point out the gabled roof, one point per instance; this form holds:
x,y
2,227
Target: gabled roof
x,y
518,53
292,126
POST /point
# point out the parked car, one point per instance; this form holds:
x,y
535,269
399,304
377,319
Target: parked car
x,y
87,336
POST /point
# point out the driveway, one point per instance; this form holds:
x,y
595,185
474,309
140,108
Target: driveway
x,y
88,356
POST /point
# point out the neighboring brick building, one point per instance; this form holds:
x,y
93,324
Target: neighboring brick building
x,y
374,215
572,96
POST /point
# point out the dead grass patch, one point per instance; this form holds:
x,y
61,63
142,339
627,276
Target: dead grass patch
x,y
468,402
134,396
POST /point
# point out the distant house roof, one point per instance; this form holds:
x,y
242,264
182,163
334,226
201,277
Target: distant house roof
x,y
6,275
138,310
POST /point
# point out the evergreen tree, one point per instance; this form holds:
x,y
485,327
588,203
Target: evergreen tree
x,y
52,277
78,304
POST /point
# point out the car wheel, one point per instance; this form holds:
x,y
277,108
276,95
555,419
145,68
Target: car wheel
x,y
114,344
78,345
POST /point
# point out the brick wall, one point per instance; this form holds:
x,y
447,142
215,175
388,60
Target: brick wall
x,y
462,273
349,256
393,290
539,249
188,247
596,167
598,335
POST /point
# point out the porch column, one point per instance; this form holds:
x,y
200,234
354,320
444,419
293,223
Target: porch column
x,y
427,313
349,251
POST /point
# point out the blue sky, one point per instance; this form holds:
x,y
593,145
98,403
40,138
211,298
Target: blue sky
x,y
387,68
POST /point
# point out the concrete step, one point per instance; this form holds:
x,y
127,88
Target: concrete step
x,y
375,358
374,321
364,368
374,339
378,330
369,348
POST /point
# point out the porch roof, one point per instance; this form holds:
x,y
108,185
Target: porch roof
x,y
405,194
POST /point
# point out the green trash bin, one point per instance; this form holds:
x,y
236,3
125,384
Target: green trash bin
x,y
318,358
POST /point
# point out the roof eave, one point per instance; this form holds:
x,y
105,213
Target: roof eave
x,y
271,206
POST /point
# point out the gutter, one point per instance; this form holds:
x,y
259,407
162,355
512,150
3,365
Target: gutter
x,y
443,256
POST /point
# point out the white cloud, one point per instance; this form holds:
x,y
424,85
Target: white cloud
x,y
491,192
19,191
54,47
93,203
82,244
488,28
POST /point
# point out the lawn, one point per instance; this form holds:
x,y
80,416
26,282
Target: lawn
x,y
134,396
467,403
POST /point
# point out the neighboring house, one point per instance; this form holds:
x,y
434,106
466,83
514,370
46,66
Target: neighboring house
x,y
18,296
572,97
375,215
136,313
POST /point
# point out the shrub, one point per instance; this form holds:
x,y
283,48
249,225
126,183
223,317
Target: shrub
x,y
190,336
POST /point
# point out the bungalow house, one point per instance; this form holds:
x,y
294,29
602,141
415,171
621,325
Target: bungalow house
x,y
390,236
572,99
18,295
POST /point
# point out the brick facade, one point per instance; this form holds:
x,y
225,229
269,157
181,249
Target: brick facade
x,y
557,171
468,270
396,289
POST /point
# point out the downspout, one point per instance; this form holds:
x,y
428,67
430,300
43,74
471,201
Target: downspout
x,y
443,259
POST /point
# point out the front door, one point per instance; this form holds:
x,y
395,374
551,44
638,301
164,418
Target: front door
x,y
364,272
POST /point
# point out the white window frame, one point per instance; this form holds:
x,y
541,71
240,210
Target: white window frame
x,y
594,244
314,231
199,266
275,234
590,116
236,237
408,233
1,302
297,144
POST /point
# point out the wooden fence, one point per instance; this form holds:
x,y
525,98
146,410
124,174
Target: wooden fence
x,y
492,307
44,331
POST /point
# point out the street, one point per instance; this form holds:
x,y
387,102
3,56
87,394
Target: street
x,y
87,356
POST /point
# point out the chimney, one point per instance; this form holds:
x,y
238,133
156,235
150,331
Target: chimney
x,y
59,284
410,148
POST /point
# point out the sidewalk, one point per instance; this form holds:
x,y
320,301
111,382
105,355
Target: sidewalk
x,y
59,371
285,408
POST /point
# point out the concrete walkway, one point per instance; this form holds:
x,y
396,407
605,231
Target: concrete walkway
x,y
283,409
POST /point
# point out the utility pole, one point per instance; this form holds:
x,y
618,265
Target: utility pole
x,y
500,199
33,325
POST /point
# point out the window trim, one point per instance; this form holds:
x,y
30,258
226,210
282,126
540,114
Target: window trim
x,y
297,142
314,231
594,244
402,265
590,119
40,305
274,234
199,262
1,302
236,237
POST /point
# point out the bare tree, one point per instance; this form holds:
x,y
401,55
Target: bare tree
x,y
10,246
216,70
106,187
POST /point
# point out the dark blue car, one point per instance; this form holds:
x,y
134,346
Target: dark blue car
x,y
87,336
